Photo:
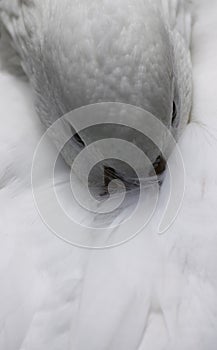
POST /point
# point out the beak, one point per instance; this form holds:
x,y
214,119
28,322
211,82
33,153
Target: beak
x,y
111,174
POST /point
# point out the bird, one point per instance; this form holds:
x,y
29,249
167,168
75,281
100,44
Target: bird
x,y
151,293
81,53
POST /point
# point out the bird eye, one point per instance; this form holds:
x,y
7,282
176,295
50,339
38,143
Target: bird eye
x,y
78,139
174,116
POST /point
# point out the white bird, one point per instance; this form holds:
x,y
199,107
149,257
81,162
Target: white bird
x,y
153,293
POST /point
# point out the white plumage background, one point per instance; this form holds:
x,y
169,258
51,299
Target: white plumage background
x,y
154,292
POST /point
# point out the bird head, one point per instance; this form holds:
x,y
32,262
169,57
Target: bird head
x,y
81,53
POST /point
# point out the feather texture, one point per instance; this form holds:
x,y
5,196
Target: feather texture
x,y
154,293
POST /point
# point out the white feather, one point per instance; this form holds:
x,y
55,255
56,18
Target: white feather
x,y
156,292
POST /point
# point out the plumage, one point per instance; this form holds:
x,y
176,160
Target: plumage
x,y
155,292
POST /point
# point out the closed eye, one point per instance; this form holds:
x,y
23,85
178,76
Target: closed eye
x,y
78,139
174,116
